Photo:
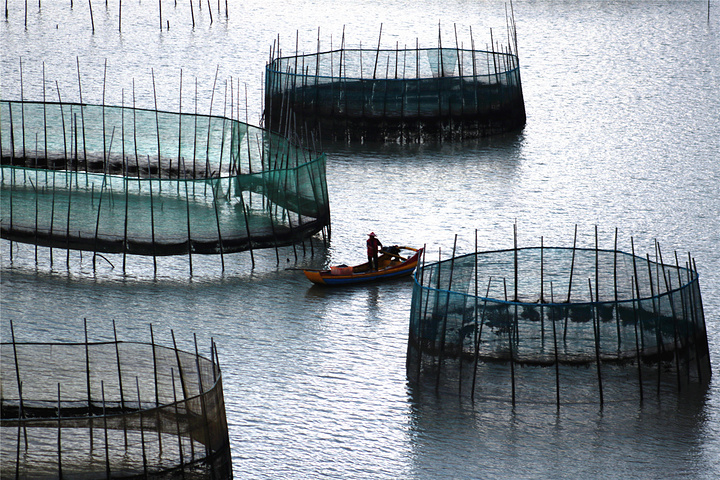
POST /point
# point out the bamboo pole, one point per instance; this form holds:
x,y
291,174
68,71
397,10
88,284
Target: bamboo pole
x,y
694,316
22,110
157,390
152,216
555,345
510,347
87,379
177,422
21,411
142,429
59,434
596,335
201,394
638,355
670,294
637,290
479,330
105,429
685,314
572,267
120,383
658,337
423,314
92,21
126,182
377,52
542,290
615,288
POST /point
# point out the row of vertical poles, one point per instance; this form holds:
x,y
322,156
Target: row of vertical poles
x,y
288,96
119,10
97,404
283,155
684,303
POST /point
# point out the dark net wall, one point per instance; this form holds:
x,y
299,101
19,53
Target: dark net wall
x,y
606,321
111,410
407,94
113,179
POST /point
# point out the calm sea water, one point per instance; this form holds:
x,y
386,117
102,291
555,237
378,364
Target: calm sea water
x,y
623,131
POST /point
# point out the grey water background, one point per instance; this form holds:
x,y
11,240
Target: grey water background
x,y
623,131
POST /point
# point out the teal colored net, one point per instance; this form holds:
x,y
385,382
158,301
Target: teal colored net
x,y
477,319
111,410
402,94
115,179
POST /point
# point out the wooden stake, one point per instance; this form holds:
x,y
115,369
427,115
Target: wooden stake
x,y
596,335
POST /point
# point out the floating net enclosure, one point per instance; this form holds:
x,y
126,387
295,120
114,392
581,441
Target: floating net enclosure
x,y
125,180
398,95
111,410
551,324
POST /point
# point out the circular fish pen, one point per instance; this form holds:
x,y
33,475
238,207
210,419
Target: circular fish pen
x,y
557,325
145,182
396,95
111,410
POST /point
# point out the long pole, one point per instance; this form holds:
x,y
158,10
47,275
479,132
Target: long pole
x,y
596,335
510,346
479,336
87,379
557,361
377,53
668,288
572,267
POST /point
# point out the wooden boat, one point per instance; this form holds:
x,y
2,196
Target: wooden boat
x,y
390,265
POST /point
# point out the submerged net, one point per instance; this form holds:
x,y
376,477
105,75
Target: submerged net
x,y
624,319
116,409
124,180
401,94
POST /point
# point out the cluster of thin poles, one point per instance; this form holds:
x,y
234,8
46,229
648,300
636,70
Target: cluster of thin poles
x,y
128,406
273,156
689,308
160,12
283,73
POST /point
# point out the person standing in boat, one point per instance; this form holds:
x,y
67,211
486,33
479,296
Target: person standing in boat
x,y
373,245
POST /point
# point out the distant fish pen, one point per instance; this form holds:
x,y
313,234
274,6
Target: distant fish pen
x,y
558,325
398,95
111,410
126,180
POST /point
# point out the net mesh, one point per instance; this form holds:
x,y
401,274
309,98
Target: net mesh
x,y
117,409
540,307
406,94
114,179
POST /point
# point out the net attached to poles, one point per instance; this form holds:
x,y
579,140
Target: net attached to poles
x,y
558,325
111,410
405,95
124,180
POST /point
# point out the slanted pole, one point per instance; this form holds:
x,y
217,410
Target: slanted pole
x,y
572,267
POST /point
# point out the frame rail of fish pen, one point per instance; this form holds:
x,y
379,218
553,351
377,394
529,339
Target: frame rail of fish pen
x,y
558,325
133,181
398,95
111,410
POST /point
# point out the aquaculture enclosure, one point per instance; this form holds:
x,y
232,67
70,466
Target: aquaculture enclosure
x,y
560,325
111,410
400,95
146,182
